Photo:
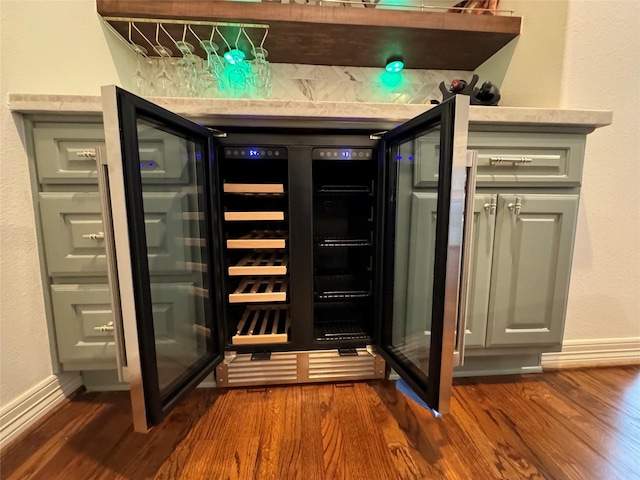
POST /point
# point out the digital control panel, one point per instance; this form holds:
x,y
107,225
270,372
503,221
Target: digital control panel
x,y
255,152
342,153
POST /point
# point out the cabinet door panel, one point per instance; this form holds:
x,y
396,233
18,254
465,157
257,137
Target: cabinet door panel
x,y
480,277
531,268
65,153
69,219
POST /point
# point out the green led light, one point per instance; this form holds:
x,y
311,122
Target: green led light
x,y
394,66
234,56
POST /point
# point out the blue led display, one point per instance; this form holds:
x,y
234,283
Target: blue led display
x,y
254,153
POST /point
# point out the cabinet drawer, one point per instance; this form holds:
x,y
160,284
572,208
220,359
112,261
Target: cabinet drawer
x,y
509,158
79,312
72,228
65,153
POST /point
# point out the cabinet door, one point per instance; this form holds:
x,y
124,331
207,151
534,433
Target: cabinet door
x,y
484,214
531,268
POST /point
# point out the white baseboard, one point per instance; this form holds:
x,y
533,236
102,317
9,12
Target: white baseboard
x,y
594,353
22,412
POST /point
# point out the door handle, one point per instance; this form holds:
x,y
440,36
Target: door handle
x,y
94,236
107,327
513,160
465,268
515,207
112,269
491,207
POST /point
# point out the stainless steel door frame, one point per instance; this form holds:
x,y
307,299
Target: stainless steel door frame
x,y
123,256
457,209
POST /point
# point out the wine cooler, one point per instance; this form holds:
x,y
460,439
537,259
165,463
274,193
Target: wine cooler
x,y
291,247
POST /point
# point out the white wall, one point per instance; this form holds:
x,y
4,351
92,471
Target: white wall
x,y
46,47
60,47
602,70
528,70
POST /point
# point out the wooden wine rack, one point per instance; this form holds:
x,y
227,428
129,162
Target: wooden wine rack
x,y
261,263
257,189
260,289
263,324
260,239
246,216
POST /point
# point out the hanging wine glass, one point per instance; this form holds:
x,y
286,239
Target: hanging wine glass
x,y
142,75
262,72
186,70
163,84
210,77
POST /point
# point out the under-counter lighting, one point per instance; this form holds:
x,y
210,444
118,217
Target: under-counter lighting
x,y
394,65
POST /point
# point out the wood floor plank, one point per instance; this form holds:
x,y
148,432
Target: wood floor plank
x,y
579,424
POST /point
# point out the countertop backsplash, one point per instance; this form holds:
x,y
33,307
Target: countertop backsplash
x,y
358,84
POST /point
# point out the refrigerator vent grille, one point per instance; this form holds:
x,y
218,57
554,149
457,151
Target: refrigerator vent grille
x,y
330,365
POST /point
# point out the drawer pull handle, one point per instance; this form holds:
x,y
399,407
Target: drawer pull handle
x,y
513,160
515,207
94,236
108,327
86,154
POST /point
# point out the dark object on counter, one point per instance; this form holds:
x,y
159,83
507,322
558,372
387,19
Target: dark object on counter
x,y
487,94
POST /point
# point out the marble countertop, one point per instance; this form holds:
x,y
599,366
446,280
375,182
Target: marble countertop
x,y
202,108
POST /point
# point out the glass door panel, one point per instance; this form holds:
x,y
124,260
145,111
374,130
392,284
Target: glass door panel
x,y
159,168
174,237
425,170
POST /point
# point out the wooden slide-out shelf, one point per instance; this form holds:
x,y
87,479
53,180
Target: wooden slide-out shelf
x,y
261,263
260,289
255,189
247,216
263,324
262,239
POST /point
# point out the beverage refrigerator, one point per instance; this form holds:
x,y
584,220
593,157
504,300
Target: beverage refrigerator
x,y
299,253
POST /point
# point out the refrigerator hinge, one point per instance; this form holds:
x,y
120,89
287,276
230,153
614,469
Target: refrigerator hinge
x,y
229,357
217,133
377,136
100,155
472,157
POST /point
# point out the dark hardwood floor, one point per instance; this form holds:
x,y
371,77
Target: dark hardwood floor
x,y
574,424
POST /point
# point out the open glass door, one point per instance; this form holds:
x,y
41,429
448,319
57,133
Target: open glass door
x,y
160,171
425,176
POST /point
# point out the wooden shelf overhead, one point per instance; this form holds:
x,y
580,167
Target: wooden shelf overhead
x,y
325,35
